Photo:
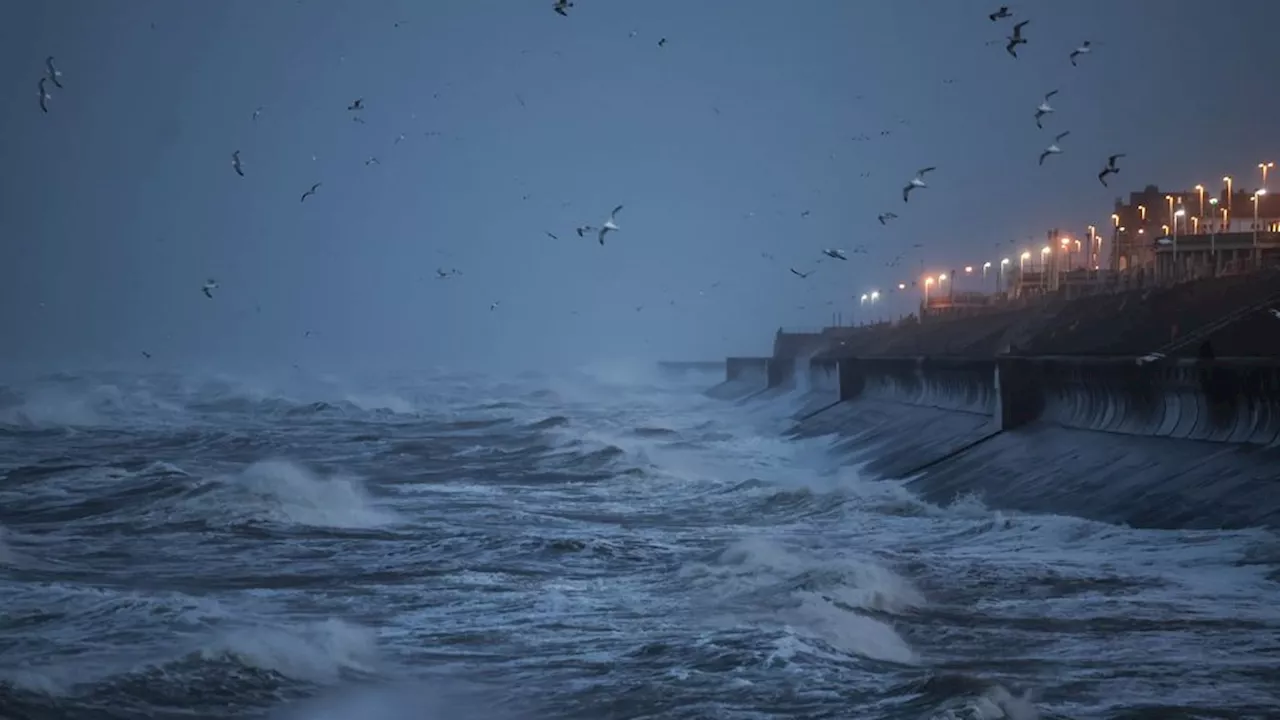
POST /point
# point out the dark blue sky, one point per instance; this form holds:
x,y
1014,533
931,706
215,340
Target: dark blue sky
x,y
121,201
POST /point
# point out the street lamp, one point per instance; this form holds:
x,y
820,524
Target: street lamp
x,y
902,286
1227,179
1022,261
1257,200
1044,264
1264,167
985,267
1170,199
928,283
1181,213
1142,212
1000,277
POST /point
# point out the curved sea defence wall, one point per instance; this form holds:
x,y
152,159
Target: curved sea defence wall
x,y
1182,443
743,376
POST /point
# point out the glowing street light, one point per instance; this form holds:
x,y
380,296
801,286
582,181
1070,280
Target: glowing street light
x,y
942,277
928,283
1170,199
968,269
1180,213
1264,167
985,267
1200,189
1000,276
902,286
1142,212
1227,179
875,295
1257,200
1022,261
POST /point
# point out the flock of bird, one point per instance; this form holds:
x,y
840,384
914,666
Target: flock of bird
x,y
1013,40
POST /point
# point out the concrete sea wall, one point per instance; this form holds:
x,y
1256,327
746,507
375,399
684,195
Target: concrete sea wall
x,y
1177,444
743,377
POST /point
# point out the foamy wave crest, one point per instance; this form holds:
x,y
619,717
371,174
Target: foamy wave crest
x,y
827,600
288,493
317,652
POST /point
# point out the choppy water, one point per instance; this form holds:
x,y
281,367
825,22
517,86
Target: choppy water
x,y
598,546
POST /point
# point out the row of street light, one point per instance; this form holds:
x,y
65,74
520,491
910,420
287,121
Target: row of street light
x,y
1095,241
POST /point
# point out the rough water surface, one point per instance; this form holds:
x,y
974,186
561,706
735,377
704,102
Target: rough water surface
x,y
605,545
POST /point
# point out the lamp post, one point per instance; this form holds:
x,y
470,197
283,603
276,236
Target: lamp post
x,y
1045,252
1180,213
985,267
1264,167
928,283
1169,198
1022,261
1257,200
1000,275
1200,189
1142,212
1115,242
1227,179
875,297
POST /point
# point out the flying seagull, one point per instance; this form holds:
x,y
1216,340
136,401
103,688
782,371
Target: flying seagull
x,y
609,224
1110,169
357,105
235,163
398,139
835,253
1053,149
1084,49
256,113
916,182
662,42
494,305
372,161
1016,39
1045,108
145,354
551,235
561,6
54,73
441,274
209,286
310,192
885,217
1003,12
800,274
45,97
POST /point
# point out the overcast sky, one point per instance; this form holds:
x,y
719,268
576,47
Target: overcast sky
x,y
121,201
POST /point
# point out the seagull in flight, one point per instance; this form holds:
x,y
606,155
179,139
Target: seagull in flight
x,y
310,192
551,235
835,254
916,182
1110,169
562,6
372,161
235,163
1045,108
801,275
884,218
45,97
398,139
145,354
662,42
209,286
357,105
1016,39
609,224
494,305
257,111
54,72
1084,49
1003,12
1053,149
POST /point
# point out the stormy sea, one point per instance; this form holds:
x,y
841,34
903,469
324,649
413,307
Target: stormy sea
x,y
608,543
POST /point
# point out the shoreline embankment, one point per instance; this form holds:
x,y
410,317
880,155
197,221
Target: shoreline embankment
x,y
1174,442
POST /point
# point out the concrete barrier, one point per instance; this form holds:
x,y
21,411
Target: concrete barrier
x,y
821,380
960,384
1228,401
743,376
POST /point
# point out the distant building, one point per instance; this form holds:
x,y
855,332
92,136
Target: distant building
x,y
1150,215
